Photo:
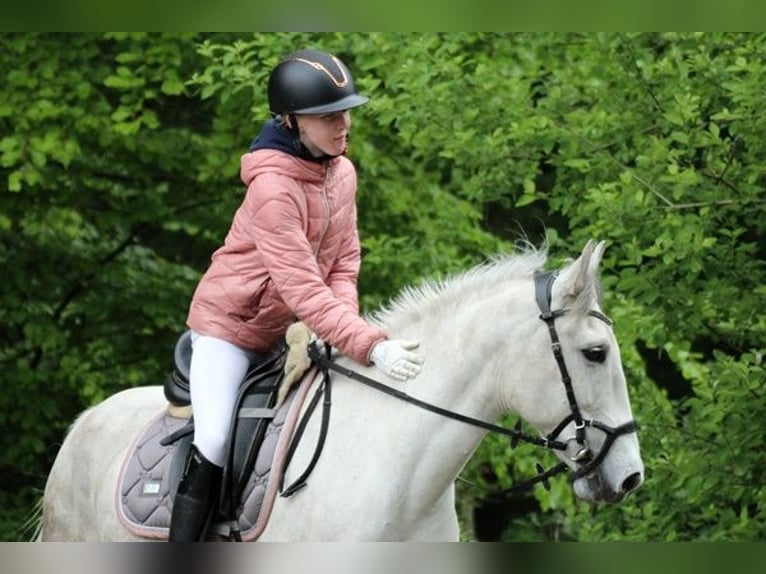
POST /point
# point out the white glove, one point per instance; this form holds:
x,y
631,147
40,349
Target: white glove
x,y
396,359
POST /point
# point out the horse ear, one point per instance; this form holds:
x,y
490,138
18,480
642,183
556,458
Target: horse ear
x,y
578,281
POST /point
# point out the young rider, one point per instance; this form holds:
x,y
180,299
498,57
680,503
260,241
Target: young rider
x,y
292,253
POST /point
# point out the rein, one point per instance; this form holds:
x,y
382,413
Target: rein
x,y
584,458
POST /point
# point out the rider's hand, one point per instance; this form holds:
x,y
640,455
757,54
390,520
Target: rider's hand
x,y
396,359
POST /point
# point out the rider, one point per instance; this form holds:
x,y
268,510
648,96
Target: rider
x,y
292,253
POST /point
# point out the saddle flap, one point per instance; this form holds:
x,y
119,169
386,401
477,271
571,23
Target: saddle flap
x,y
252,415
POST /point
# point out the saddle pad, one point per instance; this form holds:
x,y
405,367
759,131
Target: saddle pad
x,y
144,504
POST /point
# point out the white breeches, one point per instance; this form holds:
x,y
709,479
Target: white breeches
x,y
217,370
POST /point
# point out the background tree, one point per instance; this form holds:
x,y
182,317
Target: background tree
x,y
118,170
107,216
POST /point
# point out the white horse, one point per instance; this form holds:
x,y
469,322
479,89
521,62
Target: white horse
x,y
388,468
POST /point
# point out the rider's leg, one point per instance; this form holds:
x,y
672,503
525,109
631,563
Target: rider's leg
x,y
217,370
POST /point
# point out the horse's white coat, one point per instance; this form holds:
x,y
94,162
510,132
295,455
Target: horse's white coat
x,y
388,468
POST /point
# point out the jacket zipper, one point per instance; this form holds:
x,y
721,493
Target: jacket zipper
x,y
327,210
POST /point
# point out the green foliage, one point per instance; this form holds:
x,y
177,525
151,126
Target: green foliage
x,y
656,150
119,175
99,166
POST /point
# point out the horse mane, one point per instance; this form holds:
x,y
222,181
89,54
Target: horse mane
x,y
477,283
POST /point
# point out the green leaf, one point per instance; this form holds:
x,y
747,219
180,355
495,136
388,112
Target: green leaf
x,y
172,87
526,199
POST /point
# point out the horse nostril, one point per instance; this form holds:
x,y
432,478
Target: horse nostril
x,y
632,482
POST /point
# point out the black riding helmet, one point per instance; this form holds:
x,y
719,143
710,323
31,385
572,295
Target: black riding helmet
x,y
312,82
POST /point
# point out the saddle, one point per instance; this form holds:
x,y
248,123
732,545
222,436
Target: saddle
x,y
265,429
176,385
254,410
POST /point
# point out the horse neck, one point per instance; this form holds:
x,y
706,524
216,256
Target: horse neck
x,y
468,352
469,347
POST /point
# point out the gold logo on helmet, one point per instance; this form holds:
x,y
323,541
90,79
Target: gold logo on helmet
x,y
340,83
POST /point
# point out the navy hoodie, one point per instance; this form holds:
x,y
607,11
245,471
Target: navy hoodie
x,y
274,135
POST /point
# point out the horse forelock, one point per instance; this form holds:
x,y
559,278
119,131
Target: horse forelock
x,y
478,283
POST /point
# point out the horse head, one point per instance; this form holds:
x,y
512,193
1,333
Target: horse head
x,y
579,397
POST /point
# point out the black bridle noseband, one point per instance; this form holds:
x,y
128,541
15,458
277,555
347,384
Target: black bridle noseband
x,y
586,462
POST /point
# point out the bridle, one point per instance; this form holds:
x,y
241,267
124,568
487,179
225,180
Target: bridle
x,y
584,458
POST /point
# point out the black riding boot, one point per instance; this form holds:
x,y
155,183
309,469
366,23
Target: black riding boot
x,y
193,501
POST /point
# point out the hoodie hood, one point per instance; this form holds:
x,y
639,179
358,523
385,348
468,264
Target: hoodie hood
x,y
273,151
274,135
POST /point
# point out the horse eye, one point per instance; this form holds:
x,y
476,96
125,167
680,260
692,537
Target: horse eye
x,y
595,354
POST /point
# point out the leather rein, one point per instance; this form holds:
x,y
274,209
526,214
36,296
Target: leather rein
x,y
584,459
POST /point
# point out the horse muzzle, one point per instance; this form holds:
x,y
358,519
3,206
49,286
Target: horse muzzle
x,y
595,487
606,470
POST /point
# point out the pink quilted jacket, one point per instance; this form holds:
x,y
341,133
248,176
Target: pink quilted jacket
x,y
292,252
